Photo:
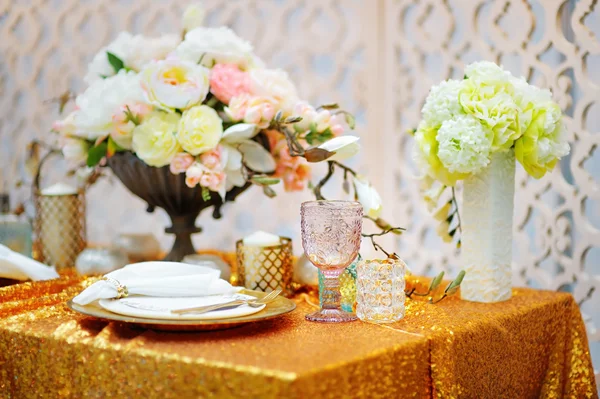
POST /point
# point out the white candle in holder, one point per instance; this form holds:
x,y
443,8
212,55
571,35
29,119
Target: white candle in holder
x,y
261,239
254,258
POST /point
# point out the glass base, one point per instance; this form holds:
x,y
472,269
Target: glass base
x,y
331,316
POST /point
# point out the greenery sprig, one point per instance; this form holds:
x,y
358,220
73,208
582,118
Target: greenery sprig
x,y
451,289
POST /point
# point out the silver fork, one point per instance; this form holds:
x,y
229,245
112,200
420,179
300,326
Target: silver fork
x,y
254,303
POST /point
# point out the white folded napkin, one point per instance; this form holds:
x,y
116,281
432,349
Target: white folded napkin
x,y
15,266
165,279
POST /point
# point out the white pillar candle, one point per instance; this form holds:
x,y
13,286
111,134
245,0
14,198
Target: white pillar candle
x,y
261,239
252,258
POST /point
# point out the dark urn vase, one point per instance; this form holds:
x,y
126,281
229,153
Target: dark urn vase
x,y
161,188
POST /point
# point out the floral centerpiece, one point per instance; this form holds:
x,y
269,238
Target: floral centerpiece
x,y
189,124
472,131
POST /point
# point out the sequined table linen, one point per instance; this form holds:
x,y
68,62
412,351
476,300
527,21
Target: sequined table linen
x,y
531,346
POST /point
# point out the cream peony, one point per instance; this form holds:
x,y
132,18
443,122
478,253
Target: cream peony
x,y
104,99
200,129
209,46
154,140
175,84
442,103
134,51
464,144
275,84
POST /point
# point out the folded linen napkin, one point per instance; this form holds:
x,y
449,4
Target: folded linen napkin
x,y
166,279
15,266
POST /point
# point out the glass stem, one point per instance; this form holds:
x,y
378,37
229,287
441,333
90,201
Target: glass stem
x,y
331,290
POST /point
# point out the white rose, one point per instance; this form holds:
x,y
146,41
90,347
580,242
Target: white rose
x,y
104,100
75,150
368,197
175,84
200,129
154,140
215,45
193,17
274,83
134,51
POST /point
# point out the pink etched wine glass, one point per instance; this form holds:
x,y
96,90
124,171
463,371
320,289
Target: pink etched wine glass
x,y
331,235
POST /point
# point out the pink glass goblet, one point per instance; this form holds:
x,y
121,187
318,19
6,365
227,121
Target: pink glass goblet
x,y
331,235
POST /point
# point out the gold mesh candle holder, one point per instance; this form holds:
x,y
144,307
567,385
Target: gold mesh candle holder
x,y
59,229
265,268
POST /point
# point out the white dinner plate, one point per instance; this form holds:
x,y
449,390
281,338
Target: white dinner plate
x,y
159,308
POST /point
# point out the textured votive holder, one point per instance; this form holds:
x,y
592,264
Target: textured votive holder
x,y
380,290
265,268
59,229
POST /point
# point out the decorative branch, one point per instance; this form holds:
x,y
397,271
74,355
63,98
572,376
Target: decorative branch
x,y
451,289
323,181
456,210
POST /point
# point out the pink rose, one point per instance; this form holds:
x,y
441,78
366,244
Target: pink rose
x,y
257,110
193,175
228,81
211,159
181,162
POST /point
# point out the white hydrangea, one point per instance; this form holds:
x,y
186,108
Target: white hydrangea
x,y
99,103
553,145
135,52
529,97
215,45
487,71
464,144
442,102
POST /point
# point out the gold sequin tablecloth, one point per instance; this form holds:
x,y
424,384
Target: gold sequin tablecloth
x,y
533,345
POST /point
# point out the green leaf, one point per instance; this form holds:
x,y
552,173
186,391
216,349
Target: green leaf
x,y
96,153
310,138
205,194
265,180
269,192
457,281
318,137
293,119
436,281
113,147
350,120
115,62
330,106
278,116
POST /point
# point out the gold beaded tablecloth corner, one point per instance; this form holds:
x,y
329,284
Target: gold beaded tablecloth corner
x,y
533,345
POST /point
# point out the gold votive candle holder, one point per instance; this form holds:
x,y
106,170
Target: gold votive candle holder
x,y
380,290
59,229
265,268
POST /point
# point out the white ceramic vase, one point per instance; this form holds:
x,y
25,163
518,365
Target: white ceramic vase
x,y
487,221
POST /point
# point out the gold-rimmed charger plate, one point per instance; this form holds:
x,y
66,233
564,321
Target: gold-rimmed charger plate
x,y
273,309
